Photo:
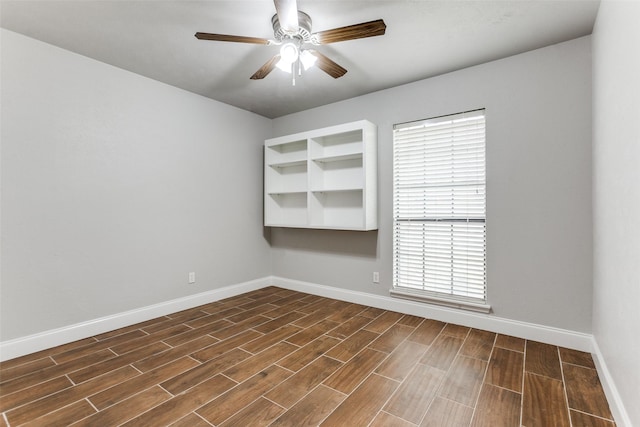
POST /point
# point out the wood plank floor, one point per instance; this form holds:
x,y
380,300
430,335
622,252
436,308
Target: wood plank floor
x,y
276,357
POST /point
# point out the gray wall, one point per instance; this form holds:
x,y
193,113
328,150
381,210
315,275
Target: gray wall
x,y
616,196
539,245
114,187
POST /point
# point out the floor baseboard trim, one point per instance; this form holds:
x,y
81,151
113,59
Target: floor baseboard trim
x,y
52,338
616,405
556,336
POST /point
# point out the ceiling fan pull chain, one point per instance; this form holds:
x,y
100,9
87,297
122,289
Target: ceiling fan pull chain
x,y
293,73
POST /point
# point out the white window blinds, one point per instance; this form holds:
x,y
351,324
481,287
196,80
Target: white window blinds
x,y
439,210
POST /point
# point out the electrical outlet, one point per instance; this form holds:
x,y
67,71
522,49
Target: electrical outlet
x,y
376,277
192,277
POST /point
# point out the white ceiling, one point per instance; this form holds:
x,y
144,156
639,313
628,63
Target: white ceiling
x,y
423,39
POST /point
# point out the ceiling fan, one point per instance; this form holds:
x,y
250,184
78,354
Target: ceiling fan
x,y
292,32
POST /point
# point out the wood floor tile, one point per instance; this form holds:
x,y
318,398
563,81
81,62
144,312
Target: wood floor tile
x,y
456,330
352,345
383,322
584,391
38,408
191,334
260,413
278,322
64,416
426,332
126,409
127,329
254,364
579,419
267,340
372,312
174,353
510,343
34,392
18,371
305,380
309,334
349,327
313,317
497,407
506,369
352,373
542,359
307,354
191,420
271,357
412,321
445,412
50,352
239,327
576,357
442,352
464,380
212,318
312,409
90,372
254,312
391,338
384,419
543,402
412,399
478,344
212,367
234,400
138,383
222,347
179,406
346,313
362,406
398,365
55,371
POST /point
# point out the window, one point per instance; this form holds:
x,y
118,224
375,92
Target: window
x,y
439,214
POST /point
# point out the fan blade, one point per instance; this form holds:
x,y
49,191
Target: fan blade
x,y
287,11
230,38
356,31
327,65
266,68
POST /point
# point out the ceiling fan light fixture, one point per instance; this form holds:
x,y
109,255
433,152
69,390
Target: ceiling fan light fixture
x,y
289,53
307,59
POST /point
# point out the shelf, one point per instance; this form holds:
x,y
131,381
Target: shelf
x,y
323,178
335,190
288,164
338,157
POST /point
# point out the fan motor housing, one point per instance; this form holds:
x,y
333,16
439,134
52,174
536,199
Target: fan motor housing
x,y
304,28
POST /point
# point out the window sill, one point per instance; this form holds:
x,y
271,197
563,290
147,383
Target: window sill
x,y
446,302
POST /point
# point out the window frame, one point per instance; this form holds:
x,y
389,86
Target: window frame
x,y
410,211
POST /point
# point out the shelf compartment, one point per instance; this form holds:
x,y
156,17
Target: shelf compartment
x,y
286,152
289,179
345,173
337,209
344,143
288,209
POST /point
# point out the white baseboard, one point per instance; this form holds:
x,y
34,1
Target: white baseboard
x,y
47,339
530,331
616,404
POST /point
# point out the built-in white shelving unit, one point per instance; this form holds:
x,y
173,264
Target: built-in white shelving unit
x,y
323,178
